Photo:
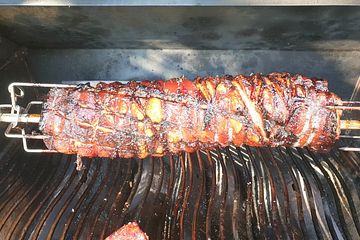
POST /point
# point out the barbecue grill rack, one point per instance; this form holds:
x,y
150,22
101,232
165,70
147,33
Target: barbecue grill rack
x,y
14,114
230,193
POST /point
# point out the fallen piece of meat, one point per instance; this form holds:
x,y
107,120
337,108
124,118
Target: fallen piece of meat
x,y
154,118
130,231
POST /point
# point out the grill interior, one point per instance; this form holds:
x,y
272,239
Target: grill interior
x,y
226,193
230,193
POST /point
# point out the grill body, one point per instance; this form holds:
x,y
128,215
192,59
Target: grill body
x,y
230,193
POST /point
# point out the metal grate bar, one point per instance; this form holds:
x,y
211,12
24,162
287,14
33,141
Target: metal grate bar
x,y
60,170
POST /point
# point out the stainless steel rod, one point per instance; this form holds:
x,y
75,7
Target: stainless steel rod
x,y
350,124
352,108
350,136
350,149
24,118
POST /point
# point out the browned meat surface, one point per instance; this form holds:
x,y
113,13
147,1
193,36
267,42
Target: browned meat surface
x,y
130,231
159,117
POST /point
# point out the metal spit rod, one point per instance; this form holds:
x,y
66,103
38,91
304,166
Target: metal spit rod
x,y
23,118
35,118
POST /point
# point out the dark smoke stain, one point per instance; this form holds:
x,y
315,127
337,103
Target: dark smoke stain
x,y
211,36
248,32
250,63
201,23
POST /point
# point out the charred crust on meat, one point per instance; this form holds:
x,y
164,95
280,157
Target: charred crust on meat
x,y
112,120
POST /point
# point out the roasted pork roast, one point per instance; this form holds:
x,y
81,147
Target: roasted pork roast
x,y
145,118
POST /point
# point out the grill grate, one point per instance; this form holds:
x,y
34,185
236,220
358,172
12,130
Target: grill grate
x,y
231,193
